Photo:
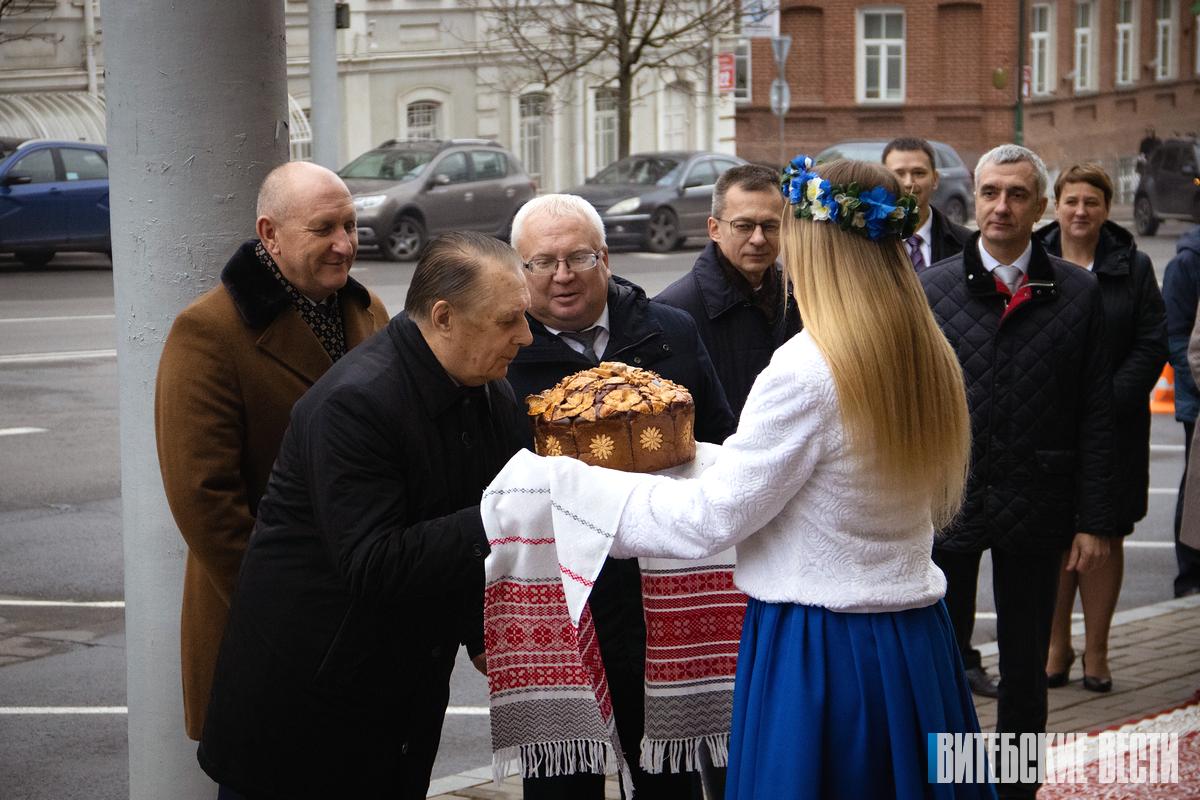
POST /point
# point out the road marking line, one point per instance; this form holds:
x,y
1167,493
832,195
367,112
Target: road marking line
x,y
64,603
69,355
20,431
1166,448
23,710
1163,491
1151,545
472,711
59,319
992,615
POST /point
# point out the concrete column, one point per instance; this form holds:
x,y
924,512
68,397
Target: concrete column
x,y
197,113
323,80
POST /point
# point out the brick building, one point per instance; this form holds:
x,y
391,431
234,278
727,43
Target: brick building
x,y
1100,72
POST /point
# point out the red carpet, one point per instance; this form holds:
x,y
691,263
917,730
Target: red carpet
x,y
1093,768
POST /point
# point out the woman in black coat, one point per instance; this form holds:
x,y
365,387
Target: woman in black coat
x,y
1135,335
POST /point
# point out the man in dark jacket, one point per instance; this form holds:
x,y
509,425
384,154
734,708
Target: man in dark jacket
x,y
936,237
1028,331
365,569
1181,293
580,314
735,290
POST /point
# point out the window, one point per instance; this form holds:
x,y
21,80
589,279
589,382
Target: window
x,y
38,166
1164,40
423,118
1041,46
676,130
1085,46
605,126
532,114
701,174
881,56
489,164
1127,42
454,167
741,72
83,165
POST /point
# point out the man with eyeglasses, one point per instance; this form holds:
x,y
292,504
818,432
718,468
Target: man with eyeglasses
x,y
735,291
580,314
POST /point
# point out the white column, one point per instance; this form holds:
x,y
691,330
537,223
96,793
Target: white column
x,y
323,80
197,113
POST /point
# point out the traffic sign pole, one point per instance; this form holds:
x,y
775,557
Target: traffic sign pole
x,y
781,99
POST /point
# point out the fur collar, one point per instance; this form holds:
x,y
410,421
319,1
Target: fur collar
x,y
259,297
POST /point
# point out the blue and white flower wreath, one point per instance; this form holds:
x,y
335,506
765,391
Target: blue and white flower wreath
x,y
875,213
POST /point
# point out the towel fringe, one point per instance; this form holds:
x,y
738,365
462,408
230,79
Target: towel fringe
x,y
548,759
683,754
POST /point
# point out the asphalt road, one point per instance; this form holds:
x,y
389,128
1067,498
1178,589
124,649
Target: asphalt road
x,y
60,528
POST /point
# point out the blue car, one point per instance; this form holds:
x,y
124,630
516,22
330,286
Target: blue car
x,y
53,196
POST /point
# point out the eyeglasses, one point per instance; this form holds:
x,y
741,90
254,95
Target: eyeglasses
x,y
744,228
576,262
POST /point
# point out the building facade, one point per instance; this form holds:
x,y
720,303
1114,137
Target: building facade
x,y
407,69
1099,74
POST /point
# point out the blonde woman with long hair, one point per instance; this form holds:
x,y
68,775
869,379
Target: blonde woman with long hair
x,y
852,447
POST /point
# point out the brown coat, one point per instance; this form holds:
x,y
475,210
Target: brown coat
x,y
234,363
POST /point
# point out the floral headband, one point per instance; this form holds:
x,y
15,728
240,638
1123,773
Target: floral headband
x,y
875,213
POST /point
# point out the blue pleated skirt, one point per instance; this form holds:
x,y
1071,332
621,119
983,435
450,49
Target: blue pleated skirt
x,y
835,705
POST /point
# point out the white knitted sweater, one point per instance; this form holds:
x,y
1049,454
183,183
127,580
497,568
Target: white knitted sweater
x,y
809,523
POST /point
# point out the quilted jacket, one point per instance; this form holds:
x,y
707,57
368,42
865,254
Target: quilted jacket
x,y
1039,388
1181,292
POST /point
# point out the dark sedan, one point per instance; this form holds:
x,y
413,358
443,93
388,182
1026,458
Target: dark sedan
x,y
53,196
656,200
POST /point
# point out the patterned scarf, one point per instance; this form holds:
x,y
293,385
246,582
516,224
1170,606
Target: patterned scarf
x,y
324,318
550,708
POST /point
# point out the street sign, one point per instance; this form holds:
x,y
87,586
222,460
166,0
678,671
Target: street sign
x,y
780,45
781,97
760,19
726,72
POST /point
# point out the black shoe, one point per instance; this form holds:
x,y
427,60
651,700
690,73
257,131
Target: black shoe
x,y
1094,684
981,683
1055,680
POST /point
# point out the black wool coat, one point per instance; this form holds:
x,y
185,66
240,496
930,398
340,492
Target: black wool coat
x,y
652,336
362,577
947,237
1039,388
737,334
1135,332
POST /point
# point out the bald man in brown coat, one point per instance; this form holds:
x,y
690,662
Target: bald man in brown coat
x,y
234,363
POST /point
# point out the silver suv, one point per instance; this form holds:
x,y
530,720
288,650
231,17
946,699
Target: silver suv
x,y
408,191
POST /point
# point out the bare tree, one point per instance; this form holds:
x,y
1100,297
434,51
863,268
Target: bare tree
x,y
556,41
20,18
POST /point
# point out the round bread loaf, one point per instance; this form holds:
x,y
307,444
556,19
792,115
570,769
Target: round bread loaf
x,y
617,416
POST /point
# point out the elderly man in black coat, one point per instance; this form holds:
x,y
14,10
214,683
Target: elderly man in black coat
x,y
1028,329
735,291
365,569
580,314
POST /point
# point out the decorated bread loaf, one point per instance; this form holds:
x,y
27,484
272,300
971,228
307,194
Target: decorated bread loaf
x,y
615,416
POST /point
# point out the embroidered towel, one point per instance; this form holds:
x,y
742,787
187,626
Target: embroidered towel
x,y
550,530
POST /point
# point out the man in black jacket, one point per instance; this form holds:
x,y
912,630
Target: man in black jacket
x,y
580,314
365,569
1028,331
735,290
936,237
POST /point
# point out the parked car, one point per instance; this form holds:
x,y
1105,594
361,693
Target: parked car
x,y
656,199
1169,186
407,191
53,196
955,195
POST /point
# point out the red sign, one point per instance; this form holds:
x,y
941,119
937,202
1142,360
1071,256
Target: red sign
x,y
726,71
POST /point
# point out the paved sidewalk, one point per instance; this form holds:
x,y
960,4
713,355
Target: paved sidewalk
x,y
1154,654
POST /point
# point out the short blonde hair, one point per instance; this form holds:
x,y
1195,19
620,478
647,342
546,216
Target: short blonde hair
x,y
899,384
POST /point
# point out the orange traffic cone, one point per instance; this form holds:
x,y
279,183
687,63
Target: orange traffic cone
x,y
1162,398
